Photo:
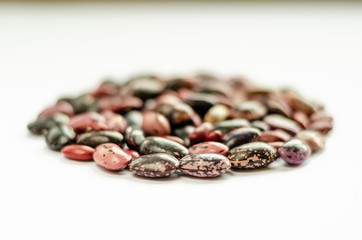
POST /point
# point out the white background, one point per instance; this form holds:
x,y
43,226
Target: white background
x,y
47,51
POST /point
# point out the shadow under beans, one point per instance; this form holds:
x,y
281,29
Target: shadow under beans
x,y
276,167
137,178
106,172
188,178
76,162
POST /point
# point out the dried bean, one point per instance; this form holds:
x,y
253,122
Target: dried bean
x,y
42,125
294,151
250,110
134,154
59,136
59,107
228,125
154,165
262,126
241,136
252,155
111,157
314,139
134,118
209,147
217,113
163,145
134,137
274,135
78,152
93,139
322,126
155,124
204,165
277,121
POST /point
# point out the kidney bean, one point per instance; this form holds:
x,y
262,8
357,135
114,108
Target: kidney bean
x,y
111,157
155,124
154,165
78,152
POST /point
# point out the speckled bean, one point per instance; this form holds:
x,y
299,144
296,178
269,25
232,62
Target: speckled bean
x,y
277,121
252,155
240,136
59,136
209,147
163,145
314,139
154,165
294,152
93,139
228,125
155,124
111,157
204,165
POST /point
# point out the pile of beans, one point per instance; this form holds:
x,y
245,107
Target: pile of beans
x,y
200,125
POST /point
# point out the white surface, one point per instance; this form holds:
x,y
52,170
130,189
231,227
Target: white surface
x,y
54,50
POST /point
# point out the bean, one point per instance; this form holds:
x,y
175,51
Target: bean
x,y
301,118
83,103
323,126
277,121
250,110
262,126
154,165
111,157
228,125
175,139
204,165
155,124
134,137
200,133
314,139
217,113
88,121
59,107
274,135
209,147
163,145
78,152
294,152
181,114
59,136
134,118
252,155
184,133
93,139
42,125
240,136
134,154
215,135
145,87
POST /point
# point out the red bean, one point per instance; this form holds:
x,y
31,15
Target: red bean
x,y
78,152
155,124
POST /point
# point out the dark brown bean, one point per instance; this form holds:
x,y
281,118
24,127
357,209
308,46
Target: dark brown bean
x,y
163,145
93,139
250,110
228,125
277,121
59,136
154,165
252,155
204,165
241,136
